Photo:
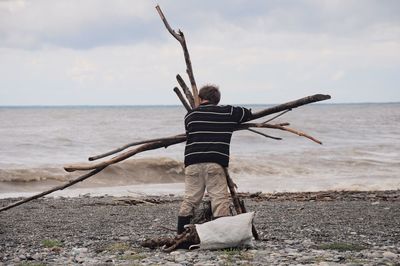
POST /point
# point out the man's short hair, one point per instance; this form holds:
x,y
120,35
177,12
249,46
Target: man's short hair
x,y
210,93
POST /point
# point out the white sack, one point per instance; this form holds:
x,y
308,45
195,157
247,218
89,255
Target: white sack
x,y
226,232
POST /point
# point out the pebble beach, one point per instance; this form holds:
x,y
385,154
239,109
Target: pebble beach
x,y
318,228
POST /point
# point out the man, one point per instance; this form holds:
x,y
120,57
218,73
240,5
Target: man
x,y
209,129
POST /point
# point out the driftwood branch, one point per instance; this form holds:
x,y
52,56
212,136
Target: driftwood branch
x,y
291,105
279,126
182,99
173,33
263,134
145,147
181,39
185,89
61,187
237,202
93,158
278,115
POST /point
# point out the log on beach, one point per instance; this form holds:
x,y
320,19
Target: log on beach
x,y
294,228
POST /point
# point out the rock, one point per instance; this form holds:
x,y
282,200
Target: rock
x,y
80,259
124,238
175,253
389,255
37,256
180,258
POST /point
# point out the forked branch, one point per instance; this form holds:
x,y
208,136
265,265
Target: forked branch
x,y
181,39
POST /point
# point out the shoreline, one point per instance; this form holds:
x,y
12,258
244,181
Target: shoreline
x,y
341,227
165,189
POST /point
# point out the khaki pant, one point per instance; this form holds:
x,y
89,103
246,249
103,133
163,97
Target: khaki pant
x,y
200,176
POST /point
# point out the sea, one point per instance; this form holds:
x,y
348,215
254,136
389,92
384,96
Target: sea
x,y
360,150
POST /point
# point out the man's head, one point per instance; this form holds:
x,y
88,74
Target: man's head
x,y
210,93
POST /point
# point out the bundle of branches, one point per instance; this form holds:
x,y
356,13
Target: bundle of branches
x,y
189,101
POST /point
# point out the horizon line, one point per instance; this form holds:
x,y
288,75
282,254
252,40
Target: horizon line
x,y
175,105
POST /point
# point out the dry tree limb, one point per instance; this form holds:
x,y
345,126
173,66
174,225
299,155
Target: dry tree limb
x,y
187,238
145,147
173,33
278,115
291,105
93,158
279,126
263,134
61,187
183,101
238,203
181,39
185,90
299,133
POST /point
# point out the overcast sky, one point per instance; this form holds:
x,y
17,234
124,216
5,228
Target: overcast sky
x,y
94,52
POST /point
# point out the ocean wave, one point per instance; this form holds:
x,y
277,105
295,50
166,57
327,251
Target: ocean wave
x,y
151,170
280,173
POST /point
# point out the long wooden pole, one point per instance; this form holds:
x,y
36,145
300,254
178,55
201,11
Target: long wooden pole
x,y
291,105
96,157
183,101
185,90
145,147
237,202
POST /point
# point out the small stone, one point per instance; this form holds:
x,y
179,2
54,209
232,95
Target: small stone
x,y
180,258
79,259
290,242
389,255
124,238
338,258
83,250
175,253
36,256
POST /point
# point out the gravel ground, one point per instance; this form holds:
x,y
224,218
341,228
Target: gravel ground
x,y
329,228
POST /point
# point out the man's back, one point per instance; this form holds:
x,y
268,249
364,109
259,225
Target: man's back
x,y
209,130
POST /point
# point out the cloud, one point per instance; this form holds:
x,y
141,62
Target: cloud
x,y
118,52
74,24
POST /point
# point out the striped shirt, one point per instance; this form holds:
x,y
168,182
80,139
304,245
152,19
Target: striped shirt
x,y
209,130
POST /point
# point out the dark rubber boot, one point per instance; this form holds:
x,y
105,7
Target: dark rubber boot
x,y
182,221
